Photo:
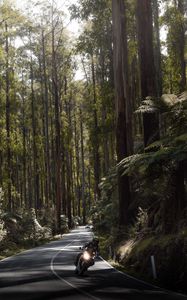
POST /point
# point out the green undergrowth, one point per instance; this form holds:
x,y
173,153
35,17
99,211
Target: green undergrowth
x,y
104,244
169,251
124,269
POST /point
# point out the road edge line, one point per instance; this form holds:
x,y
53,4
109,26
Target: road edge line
x,y
64,280
141,281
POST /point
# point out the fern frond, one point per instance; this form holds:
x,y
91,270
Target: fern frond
x,y
148,106
183,96
169,99
152,105
132,163
180,139
154,146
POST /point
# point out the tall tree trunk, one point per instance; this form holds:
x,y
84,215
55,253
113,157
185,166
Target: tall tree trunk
x,y
180,176
57,131
78,196
63,175
147,67
121,101
157,48
181,46
52,153
69,194
106,159
30,173
43,179
35,154
69,157
95,137
46,114
89,189
83,169
104,114
25,198
9,194
73,180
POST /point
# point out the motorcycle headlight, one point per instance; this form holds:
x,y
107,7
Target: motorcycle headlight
x,y
86,255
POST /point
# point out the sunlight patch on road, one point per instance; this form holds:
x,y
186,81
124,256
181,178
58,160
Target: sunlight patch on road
x,y
64,268
102,265
72,248
19,273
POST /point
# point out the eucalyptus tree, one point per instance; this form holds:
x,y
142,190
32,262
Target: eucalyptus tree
x,y
8,119
54,77
175,66
95,47
157,46
147,67
123,141
11,22
43,71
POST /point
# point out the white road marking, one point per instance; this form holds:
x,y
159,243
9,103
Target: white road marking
x,y
64,280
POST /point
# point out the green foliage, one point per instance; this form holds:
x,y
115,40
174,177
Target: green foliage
x,y
27,113
152,171
150,105
165,249
104,215
64,223
3,231
140,227
175,20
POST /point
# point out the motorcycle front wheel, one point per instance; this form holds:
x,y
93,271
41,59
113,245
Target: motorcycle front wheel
x,y
83,269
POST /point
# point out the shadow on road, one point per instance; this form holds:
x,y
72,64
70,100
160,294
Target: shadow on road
x,y
47,273
103,284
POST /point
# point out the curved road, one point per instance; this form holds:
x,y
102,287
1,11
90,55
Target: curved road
x,y
47,273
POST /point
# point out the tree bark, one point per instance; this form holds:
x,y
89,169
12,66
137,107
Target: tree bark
x,y
147,67
157,48
123,147
46,122
95,137
57,131
35,154
78,194
83,170
25,197
181,46
9,193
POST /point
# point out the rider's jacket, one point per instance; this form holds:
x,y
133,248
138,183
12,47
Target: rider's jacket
x,y
92,245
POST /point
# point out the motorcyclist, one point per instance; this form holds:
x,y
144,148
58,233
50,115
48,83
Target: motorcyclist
x,y
92,246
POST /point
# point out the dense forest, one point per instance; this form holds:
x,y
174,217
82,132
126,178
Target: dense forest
x,y
108,148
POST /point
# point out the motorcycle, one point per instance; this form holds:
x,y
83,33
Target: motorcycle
x,y
84,261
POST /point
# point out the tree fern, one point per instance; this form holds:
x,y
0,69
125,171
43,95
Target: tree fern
x,y
153,170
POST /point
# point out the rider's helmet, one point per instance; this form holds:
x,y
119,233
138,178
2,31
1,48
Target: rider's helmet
x,y
95,241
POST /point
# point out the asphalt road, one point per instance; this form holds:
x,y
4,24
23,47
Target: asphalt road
x,y
47,273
